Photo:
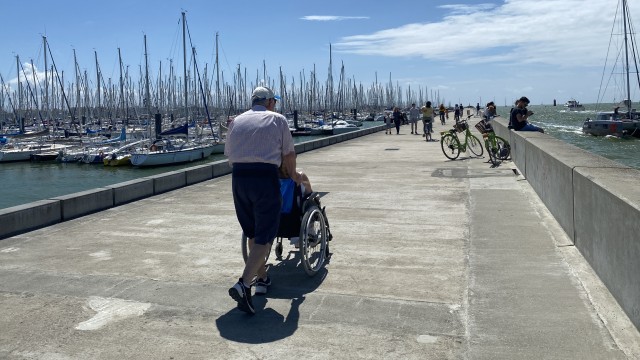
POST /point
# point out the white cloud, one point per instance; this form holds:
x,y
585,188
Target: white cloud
x,y
551,32
332,18
27,76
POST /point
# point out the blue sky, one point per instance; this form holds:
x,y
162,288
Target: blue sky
x,y
467,51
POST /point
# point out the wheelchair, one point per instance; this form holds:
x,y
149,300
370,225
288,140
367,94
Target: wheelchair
x,y
306,219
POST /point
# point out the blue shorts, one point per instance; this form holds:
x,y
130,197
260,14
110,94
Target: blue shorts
x,y
530,127
257,199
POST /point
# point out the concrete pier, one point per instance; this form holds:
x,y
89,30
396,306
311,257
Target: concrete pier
x,y
431,259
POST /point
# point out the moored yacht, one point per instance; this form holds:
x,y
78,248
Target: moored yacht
x,y
624,121
614,123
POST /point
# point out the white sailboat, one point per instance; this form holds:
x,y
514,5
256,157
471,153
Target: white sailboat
x,y
174,149
166,151
624,120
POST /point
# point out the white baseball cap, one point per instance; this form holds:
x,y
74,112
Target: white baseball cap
x,y
263,92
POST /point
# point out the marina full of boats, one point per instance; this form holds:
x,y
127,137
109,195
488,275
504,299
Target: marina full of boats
x,y
141,147
126,147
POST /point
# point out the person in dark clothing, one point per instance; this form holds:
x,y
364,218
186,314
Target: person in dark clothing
x,y
519,116
397,119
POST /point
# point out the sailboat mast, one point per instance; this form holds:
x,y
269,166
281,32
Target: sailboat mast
x,y
184,60
147,97
78,100
218,102
626,54
99,88
19,94
124,123
46,79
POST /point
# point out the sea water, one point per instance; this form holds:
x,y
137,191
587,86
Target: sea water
x,y
566,125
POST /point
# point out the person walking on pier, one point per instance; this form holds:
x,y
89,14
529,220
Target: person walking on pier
x,y
397,119
414,114
258,143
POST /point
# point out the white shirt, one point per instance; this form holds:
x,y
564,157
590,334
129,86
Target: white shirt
x,y
258,136
414,113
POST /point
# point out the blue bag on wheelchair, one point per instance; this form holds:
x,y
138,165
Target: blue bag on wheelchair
x,y
290,213
287,190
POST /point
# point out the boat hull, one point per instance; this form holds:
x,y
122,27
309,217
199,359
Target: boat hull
x,y
16,155
612,127
118,161
160,158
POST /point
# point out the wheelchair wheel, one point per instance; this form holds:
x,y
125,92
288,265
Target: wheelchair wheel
x,y
313,240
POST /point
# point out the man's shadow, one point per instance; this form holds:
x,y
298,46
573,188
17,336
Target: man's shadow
x,y
289,281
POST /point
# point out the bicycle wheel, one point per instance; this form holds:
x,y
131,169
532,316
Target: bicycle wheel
x,y
492,150
474,145
313,240
450,146
504,149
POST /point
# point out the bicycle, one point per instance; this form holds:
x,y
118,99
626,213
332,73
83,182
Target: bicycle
x,y
451,145
498,148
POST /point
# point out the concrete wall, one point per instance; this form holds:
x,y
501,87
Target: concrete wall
x,y
20,219
132,190
595,200
84,202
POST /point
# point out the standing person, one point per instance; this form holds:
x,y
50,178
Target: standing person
x,y
388,120
414,113
477,109
520,115
442,111
258,143
397,119
427,120
456,113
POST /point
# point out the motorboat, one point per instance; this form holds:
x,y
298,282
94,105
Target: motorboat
x,y
574,105
339,127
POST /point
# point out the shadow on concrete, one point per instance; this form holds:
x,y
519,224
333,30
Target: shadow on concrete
x,y
289,281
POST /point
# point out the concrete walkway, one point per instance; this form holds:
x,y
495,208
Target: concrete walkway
x,y
432,259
